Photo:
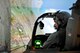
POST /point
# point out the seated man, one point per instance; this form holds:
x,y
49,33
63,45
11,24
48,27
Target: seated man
x,y
59,36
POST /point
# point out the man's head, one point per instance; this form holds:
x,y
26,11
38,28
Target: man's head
x,y
61,19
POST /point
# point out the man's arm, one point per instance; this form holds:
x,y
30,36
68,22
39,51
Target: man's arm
x,y
53,38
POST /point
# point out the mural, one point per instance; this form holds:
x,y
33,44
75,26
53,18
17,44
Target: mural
x,y
22,20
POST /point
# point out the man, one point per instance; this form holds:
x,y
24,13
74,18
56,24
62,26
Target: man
x,y
59,36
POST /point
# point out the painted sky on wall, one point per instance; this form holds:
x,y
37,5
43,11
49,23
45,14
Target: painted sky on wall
x,y
43,5
58,4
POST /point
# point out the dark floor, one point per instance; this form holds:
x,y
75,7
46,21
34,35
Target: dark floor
x,y
49,51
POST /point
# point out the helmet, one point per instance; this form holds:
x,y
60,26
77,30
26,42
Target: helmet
x,y
61,18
